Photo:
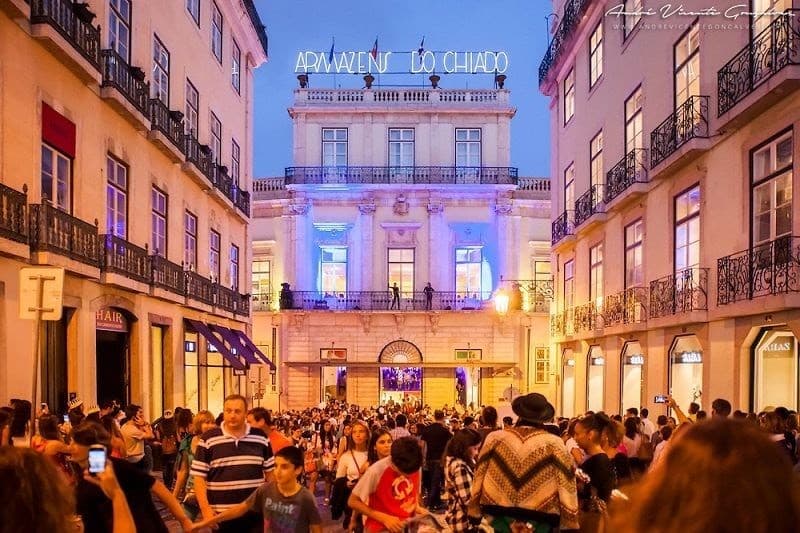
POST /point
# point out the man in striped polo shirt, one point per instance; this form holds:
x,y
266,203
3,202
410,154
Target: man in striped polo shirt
x,y
231,461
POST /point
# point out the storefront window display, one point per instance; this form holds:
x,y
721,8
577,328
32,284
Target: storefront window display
x,y
775,371
595,379
686,370
568,384
632,377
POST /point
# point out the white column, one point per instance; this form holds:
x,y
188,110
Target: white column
x,y
503,242
363,271
438,248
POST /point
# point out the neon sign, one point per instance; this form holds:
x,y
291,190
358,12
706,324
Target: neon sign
x,y
449,62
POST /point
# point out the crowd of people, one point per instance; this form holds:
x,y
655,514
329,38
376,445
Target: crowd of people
x,y
399,467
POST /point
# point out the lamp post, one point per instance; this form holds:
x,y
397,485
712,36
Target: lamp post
x,y
501,302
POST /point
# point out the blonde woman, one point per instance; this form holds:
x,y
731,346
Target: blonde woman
x,y
202,422
354,462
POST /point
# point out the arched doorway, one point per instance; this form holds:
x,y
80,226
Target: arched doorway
x,y
686,370
595,379
775,370
632,377
567,383
112,325
400,382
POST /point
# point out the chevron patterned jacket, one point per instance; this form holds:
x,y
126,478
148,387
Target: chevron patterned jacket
x,y
528,471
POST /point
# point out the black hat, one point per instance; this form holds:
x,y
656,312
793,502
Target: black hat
x,y
533,407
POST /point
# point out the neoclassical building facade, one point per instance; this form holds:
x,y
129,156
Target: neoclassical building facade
x,y
395,228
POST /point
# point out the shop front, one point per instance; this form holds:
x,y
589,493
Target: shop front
x,y
568,383
686,370
775,370
595,379
632,377
112,326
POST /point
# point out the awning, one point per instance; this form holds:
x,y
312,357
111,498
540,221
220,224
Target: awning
x,y
424,364
237,346
204,330
253,348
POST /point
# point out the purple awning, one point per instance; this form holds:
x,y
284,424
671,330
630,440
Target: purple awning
x,y
236,344
218,343
253,348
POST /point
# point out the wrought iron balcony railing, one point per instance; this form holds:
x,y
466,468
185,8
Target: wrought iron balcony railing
x,y
629,170
199,288
60,14
226,298
777,46
262,301
242,201
200,156
571,18
537,294
168,275
13,213
626,307
119,75
689,121
402,175
682,292
243,306
562,226
588,204
170,123
53,230
765,269
383,301
123,257
585,317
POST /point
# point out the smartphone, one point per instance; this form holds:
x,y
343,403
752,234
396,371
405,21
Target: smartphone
x,y
97,459
66,419
660,398
43,406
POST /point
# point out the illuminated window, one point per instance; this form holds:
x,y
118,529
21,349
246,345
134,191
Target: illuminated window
x,y
596,273
119,28
160,81
569,96
687,230
468,271
158,218
216,138
634,272
193,7
596,174
261,288
401,269
191,109
596,55
630,22
236,65
633,121
468,147
687,65
56,177
191,372
334,147
333,269
569,190
772,189
234,267
214,247
235,162
216,32
190,240
116,198
569,284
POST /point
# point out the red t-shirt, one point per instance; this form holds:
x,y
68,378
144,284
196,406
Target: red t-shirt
x,y
385,489
277,441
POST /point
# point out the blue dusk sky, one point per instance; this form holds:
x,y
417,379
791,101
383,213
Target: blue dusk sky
x,y
517,27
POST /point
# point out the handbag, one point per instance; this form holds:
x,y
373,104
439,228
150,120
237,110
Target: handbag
x,y
340,492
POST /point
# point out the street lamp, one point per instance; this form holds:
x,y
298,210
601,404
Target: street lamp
x,y
501,301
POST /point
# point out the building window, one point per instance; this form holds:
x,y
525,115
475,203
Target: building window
x,y
468,147
468,271
262,282
569,95
631,382
633,121
234,267
596,162
333,269
334,147
596,274
775,370
629,22
216,369
687,65
116,198
596,55
214,247
687,230
401,147
191,371
236,63
569,190
216,138
771,166
160,82
569,284
686,370
193,7
762,14
235,162
216,32
401,269
190,241
56,177
192,109
595,379
634,272
119,28
158,218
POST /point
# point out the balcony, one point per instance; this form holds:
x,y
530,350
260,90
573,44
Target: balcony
x,y
682,292
688,122
226,299
533,189
166,129
401,175
626,307
127,259
766,269
627,179
537,295
121,78
561,40
589,208
243,307
269,189
199,161
585,318
382,301
563,227
199,288
13,214
69,36
762,72
168,275
403,98
262,301
561,324
53,230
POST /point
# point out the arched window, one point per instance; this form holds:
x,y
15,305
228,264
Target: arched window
x,y
595,379
567,383
686,370
632,377
775,371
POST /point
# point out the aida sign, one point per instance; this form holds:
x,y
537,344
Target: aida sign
x,y
427,61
